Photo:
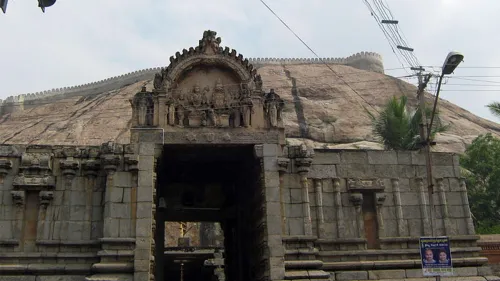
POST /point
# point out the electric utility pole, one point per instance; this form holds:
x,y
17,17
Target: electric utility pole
x,y
425,141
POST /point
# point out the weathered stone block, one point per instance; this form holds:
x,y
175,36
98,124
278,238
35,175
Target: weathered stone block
x,y
295,196
75,230
144,210
387,274
61,278
353,157
18,278
414,273
119,210
295,210
410,199
454,198
351,275
385,171
404,157
145,194
382,157
418,157
484,271
269,150
271,179
143,227
465,271
406,171
442,159
270,164
141,265
146,163
111,227
456,211
273,194
415,227
296,226
411,212
355,171
443,171
323,172
125,228
78,198
325,158
123,179
146,148
145,179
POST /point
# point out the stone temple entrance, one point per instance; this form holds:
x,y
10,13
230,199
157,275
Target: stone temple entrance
x,y
201,183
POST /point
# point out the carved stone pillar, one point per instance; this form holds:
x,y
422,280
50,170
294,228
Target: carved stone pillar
x,y
318,189
467,212
5,166
19,200
91,228
357,200
339,213
303,166
283,168
398,208
426,223
110,165
447,228
379,200
132,166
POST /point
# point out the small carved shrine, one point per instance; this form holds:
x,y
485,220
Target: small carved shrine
x,y
207,86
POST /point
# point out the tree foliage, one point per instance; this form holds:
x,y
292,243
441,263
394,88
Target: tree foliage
x,y
399,127
494,108
481,163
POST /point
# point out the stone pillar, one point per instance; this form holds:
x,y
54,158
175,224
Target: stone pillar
x,y
357,200
318,189
43,226
283,168
303,166
275,250
379,200
398,208
156,112
5,166
447,227
339,213
467,212
426,223
90,171
161,111
19,200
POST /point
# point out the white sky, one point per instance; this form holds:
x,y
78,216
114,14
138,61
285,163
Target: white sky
x,y
77,42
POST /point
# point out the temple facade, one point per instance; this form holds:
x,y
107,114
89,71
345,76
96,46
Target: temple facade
x,y
208,160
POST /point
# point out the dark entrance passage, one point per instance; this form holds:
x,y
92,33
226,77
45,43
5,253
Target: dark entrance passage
x,y
202,185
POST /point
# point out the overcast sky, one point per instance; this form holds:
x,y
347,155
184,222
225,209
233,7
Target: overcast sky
x,y
77,42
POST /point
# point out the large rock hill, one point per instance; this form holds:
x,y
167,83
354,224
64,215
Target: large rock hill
x,y
320,110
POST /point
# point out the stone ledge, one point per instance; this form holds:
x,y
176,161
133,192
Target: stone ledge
x,y
341,241
68,243
416,239
9,242
304,264
117,240
390,252
17,255
119,267
299,238
306,274
115,253
44,268
366,265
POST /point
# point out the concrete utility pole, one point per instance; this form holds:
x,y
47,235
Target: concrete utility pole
x,y
424,140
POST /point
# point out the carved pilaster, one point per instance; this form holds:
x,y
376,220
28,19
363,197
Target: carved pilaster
x,y
110,164
5,167
91,168
444,207
69,169
303,165
18,197
379,201
398,207
339,213
318,189
467,212
426,223
45,198
357,200
283,168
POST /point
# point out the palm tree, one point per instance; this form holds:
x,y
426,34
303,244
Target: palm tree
x,y
494,108
399,128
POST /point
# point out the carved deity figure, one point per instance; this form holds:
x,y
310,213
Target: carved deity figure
x,y
170,109
246,105
273,107
143,108
180,108
196,97
219,96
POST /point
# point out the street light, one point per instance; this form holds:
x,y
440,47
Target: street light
x,y
452,61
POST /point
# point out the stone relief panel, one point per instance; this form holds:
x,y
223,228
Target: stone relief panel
x,y
207,87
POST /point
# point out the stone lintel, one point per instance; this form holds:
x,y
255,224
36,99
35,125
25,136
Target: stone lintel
x,y
208,136
34,182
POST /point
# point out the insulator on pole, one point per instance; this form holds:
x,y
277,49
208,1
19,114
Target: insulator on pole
x,y
404,48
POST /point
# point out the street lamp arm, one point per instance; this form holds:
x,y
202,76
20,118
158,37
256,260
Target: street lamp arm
x,y
429,128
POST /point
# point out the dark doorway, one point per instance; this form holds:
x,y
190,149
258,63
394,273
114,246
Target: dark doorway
x,y
370,220
206,185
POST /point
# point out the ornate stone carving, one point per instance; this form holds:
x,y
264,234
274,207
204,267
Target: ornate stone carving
x,y
132,162
69,167
36,163
273,108
380,198
356,198
365,184
303,164
110,163
18,197
283,164
5,166
45,198
34,181
91,167
142,109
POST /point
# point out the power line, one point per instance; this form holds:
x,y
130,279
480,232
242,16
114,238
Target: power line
x,y
269,8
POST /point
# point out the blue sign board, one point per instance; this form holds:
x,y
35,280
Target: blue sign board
x,y
435,256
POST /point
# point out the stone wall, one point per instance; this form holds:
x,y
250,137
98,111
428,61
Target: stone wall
x,y
329,223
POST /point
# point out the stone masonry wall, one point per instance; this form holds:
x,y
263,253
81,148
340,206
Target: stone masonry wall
x,y
329,224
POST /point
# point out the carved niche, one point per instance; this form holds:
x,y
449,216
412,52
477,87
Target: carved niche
x,y
35,172
207,86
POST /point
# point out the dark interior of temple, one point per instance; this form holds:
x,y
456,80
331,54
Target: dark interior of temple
x,y
209,184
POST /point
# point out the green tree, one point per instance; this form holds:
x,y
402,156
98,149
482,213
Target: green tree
x,y
494,108
481,166
399,127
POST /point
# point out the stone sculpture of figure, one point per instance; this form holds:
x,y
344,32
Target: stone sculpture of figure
x,y
180,108
204,97
158,82
236,108
272,103
197,96
170,109
258,82
246,105
212,118
142,111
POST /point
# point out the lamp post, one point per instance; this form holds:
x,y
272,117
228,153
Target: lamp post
x,y
450,64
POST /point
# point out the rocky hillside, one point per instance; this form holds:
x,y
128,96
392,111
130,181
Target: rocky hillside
x,y
320,110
